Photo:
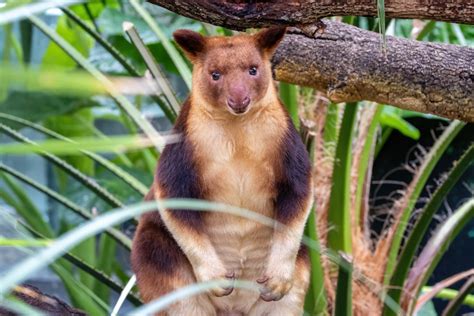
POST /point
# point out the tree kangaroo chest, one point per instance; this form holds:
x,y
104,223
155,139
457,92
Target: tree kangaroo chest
x,y
243,175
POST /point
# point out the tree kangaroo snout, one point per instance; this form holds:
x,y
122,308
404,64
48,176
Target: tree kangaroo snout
x,y
238,146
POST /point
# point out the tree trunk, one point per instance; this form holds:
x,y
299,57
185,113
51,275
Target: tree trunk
x,y
348,63
239,14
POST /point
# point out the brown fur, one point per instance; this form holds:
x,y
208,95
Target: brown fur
x,y
252,159
49,305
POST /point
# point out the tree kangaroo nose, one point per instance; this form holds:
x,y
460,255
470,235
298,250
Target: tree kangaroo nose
x,y
239,102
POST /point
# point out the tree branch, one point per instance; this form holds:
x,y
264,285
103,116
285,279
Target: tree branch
x,y
239,14
348,63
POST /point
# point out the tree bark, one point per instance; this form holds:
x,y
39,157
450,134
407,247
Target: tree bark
x,y
349,64
239,14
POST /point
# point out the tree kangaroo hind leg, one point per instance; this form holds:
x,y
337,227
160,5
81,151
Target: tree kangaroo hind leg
x,y
161,268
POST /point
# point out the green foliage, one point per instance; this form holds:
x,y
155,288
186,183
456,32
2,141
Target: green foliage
x,y
339,237
67,95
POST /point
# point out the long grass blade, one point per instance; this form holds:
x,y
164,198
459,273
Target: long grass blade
x,y
367,152
123,295
381,18
339,217
103,42
10,242
441,289
449,294
21,12
95,272
114,168
414,190
77,146
343,302
101,277
117,235
27,209
331,129
436,247
152,66
117,55
427,28
456,303
69,240
175,56
123,102
315,301
421,226
189,291
79,293
87,181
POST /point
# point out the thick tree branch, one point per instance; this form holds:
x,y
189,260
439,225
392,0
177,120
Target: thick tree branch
x,y
239,14
348,64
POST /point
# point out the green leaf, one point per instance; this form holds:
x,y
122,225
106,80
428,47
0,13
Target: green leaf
x,y
456,303
173,53
436,247
123,175
79,294
155,70
27,209
99,275
117,235
428,309
343,301
37,106
450,294
70,170
9,242
121,101
414,190
421,226
94,9
339,220
315,301
103,42
427,28
17,10
81,41
392,119
72,126
22,270
107,249
76,146
365,157
331,129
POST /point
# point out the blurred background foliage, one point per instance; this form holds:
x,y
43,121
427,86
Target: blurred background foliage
x,y
64,76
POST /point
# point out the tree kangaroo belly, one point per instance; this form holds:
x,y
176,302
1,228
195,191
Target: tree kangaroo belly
x,y
242,244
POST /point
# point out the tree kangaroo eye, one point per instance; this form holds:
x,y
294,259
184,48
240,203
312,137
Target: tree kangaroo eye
x,y
215,75
253,71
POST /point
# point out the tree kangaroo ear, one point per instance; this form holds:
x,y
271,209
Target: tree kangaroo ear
x,y
268,39
192,43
